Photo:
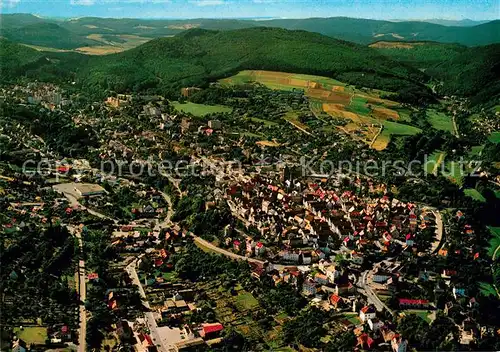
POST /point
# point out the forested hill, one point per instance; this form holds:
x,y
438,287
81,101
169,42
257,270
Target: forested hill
x,y
198,55
95,31
456,69
368,31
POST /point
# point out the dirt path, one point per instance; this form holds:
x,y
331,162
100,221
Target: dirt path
x,y
376,136
438,162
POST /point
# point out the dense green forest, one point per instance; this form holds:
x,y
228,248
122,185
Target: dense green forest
x,y
47,35
199,56
458,70
363,31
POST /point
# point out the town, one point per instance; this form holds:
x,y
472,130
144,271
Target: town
x,y
229,244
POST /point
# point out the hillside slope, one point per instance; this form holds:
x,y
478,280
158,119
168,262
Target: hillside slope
x,y
362,31
472,72
46,34
199,55
368,31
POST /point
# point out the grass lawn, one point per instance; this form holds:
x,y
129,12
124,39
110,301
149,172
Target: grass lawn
x,y
245,301
358,106
32,334
353,319
404,114
476,151
168,276
474,194
434,161
395,128
200,109
494,242
424,315
265,122
440,121
454,172
494,137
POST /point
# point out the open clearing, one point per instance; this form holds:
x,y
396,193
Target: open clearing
x,y
112,45
474,194
200,109
494,137
244,301
32,335
433,162
440,121
366,111
398,45
453,170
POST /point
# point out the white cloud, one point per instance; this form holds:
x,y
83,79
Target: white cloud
x,y
9,3
82,2
208,2
93,2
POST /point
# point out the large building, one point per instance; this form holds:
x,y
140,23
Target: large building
x,y
89,189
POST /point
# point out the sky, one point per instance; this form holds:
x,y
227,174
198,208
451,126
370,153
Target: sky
x,y
376,9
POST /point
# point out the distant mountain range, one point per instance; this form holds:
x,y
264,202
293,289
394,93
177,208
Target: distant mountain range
x,y
457,23
69,34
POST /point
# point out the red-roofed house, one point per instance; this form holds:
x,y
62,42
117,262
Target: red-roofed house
x,y
364,340
210,331
367,312
259,249
336,301
413,303
93,276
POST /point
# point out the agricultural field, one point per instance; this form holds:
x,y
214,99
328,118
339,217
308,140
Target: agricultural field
x,y
370,118
440,121
200,109
108,44
32,335
389,129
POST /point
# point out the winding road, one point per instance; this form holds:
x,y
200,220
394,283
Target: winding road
x,y
150,319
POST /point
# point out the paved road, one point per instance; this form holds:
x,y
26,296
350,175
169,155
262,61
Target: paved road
x,y
73,200
439,230
235,256
82,291
150,319
370,295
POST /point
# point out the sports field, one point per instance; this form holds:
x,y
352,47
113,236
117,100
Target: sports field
x,y
200,109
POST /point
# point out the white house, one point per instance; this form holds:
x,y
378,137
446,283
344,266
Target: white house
x,y
366,313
